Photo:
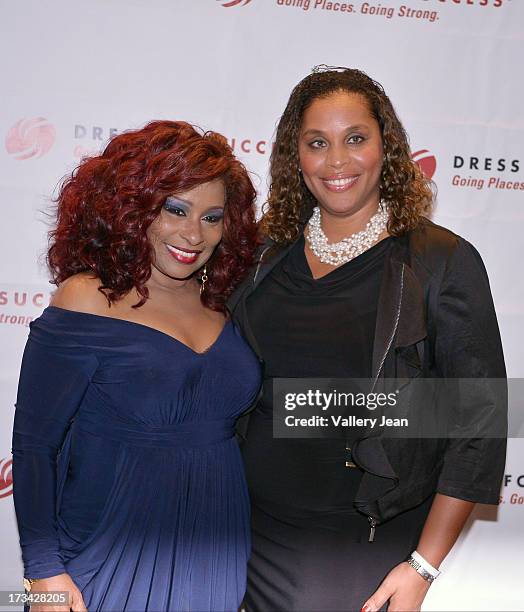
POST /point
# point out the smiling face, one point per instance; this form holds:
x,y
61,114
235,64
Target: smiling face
x,y
340,155
187,230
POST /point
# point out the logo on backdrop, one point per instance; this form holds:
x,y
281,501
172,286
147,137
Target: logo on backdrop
x,y
19,305
91,139
426,161
481,172
515,497
370,9
475,171
249,145
30,138
470,3
6,477
418,10
228,3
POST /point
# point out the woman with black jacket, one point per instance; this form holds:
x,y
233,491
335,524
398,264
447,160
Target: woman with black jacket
x,y
355,282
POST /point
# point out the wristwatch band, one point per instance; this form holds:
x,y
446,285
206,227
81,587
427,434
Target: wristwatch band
x,y
425,564
421,570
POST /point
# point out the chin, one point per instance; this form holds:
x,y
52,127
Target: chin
x,y
179,272
340,209
344,207
180,275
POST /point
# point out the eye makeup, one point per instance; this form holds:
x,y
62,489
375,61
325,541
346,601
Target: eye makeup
x,y
215,215
182,208
176,206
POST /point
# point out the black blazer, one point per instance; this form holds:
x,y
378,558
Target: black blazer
x,y
435,319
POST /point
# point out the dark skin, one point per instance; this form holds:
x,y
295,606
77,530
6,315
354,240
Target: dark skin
x,y
341,156
403,587
192,223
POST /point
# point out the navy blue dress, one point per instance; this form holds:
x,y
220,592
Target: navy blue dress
x,y
127,474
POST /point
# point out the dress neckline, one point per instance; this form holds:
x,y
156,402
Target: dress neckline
x,y
159,332
295,267
357,264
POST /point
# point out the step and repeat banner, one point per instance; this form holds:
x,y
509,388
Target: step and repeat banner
x,y
75,73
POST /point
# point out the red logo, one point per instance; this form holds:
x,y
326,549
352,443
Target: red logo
x,y
30,138
426,162
6,477
228,3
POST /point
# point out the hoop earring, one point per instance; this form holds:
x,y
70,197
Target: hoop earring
x,y
203,279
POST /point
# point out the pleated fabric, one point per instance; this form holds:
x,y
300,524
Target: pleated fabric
x,y
151,505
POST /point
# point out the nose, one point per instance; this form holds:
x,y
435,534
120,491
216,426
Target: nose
x,y
191,232
337,157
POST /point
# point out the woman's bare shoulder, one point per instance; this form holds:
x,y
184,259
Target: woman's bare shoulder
x,y
80,292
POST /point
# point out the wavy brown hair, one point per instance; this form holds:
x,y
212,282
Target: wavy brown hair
x,y
403,186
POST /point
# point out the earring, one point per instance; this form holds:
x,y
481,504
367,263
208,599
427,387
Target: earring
x,y
203,279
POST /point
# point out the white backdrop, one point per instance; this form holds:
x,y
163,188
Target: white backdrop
x,y
75,72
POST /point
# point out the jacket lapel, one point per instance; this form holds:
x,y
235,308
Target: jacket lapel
x,y
388,312
400,323
401,309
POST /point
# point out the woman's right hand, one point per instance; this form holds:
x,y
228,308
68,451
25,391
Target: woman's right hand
x,y
62,582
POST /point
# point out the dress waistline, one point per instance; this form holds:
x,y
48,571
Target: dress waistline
x,y
182,435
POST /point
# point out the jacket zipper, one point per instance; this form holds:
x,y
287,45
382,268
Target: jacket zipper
x,y
371,519
372,525
392,336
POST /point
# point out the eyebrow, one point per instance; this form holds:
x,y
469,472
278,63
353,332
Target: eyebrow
x,y
348,129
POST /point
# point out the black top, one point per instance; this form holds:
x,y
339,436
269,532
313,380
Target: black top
x,y
310,328
435,319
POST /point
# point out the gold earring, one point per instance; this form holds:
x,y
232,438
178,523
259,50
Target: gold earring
x,y
203,280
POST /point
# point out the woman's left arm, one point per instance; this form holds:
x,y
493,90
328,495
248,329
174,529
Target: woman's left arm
x,y
403,586
467,346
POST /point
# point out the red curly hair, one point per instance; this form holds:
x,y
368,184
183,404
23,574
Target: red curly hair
x,y
105,207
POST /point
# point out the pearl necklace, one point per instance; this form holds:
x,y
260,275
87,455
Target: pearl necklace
x,y
348,248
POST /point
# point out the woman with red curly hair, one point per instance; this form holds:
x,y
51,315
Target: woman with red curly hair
x,y
128,484
355,282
